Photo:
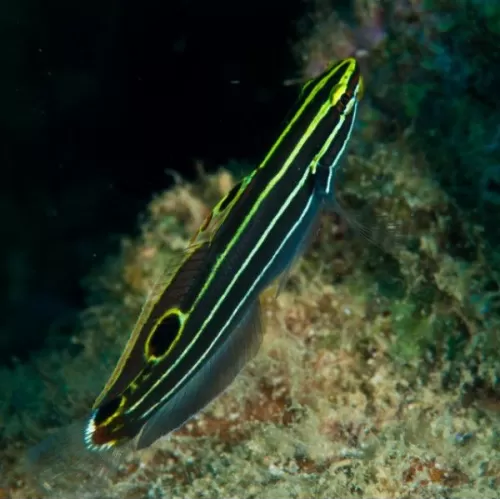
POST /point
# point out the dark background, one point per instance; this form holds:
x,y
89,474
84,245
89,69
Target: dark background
x,y
97,99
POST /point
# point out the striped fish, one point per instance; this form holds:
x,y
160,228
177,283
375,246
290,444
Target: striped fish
x,y
201,326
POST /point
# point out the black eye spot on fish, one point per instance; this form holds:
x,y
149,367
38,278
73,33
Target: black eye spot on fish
x,y
163,336
107,410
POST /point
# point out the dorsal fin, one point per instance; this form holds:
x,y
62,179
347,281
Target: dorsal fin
x,y
166,294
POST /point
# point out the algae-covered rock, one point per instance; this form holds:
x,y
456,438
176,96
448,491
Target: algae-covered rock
x,y
379,371
346,397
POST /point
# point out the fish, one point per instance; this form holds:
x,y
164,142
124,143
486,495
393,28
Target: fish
x,y
202,322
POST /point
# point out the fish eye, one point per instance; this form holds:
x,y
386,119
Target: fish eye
x,y
344,100
340,101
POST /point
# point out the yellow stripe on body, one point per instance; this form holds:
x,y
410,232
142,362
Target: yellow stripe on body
x,y
325,108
